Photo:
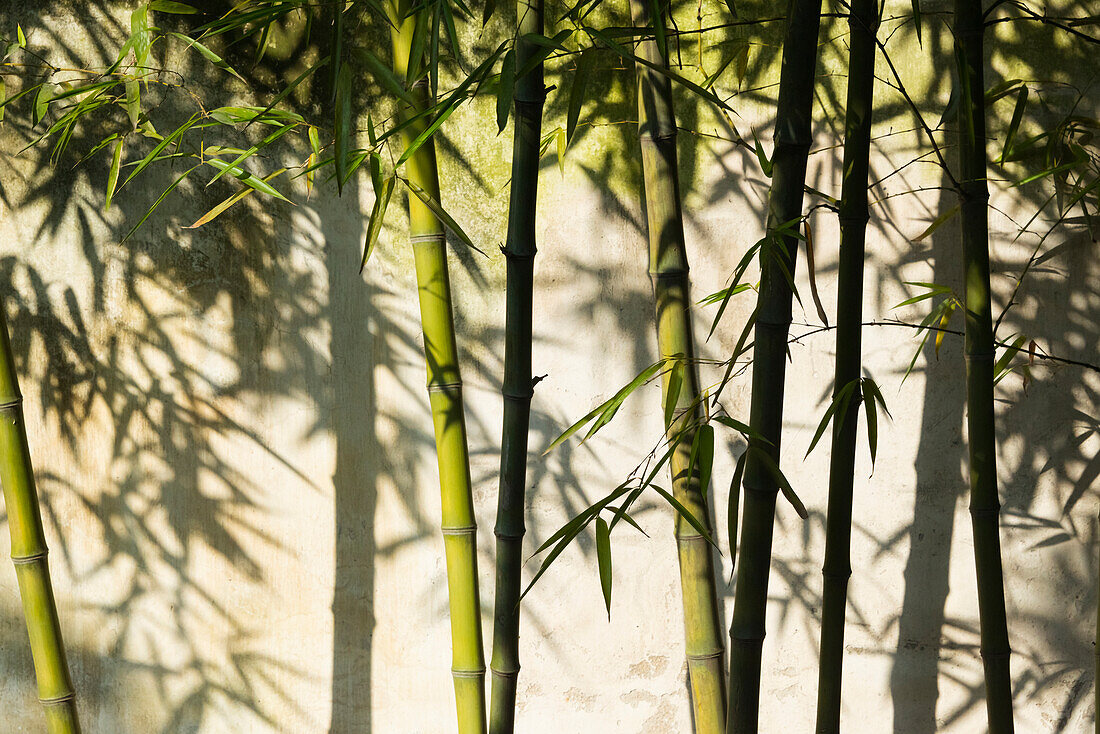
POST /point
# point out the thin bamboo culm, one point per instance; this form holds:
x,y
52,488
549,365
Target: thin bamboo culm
x,y
668,269
528,98
427,235
863,25
980,359
29,552
773,319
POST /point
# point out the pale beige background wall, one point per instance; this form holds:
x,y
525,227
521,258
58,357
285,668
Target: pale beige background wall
x,y
235,459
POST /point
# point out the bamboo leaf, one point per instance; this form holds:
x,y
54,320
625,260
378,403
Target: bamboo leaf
x,y
438,210
42,102
603,559
811,271
743,428
160,199
22,38
737,351
621,512
1014,125
139,33
945,319
687,515
933,290
734,506
738,272
937,222
702,450
672,394
1001,367
168,6
246,178
507,87
917,21
246,154
872,387
758,148
152,155
228,202
378,212
872,425
777,474
112,175
577,90
839,402
610,405
207,54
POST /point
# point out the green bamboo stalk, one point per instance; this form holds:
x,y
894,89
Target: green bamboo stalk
x,y
792,144
528,98
668,269
980,358
863,25
28,552
427,235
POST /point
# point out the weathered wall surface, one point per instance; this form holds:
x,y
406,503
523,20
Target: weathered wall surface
x,y
237,474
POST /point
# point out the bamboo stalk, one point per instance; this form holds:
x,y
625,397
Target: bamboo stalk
x,y
863,25
980,358
792,144
528,98
29,552
427,235
668,269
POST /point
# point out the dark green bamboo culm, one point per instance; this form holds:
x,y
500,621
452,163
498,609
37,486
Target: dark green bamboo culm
x,y
793,132
980,359
863,23
519,251
28,552
668,269
426,233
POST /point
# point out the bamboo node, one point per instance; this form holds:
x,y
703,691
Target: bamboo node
x,y
28,560
433,237
651,139
511,673
63,700
674,274
706,655
474,673
981,356
986,511
460,530
518,397
995,655
444,386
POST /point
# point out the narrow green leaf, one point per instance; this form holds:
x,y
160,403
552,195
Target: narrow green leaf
x,y
438,210
112,175
933,290
152,155
734,506
917,21
687,515
621,511
139,33
871,412
1014,125
230,201
378,213
255,149
672,394
702,450
168,6
772,468
21,36
209,55
937,222
603,559
246,178
576,91
42,102
506,88
382,73
160,199
840,399
765,164
642,377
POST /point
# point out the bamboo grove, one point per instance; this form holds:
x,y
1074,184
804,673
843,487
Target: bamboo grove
x,y
532,64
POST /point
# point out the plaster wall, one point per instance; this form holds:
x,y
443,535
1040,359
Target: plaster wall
x,y
235,461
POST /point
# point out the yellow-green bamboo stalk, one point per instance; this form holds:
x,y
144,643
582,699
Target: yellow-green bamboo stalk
x,y
528,98
792,144
426,233
980,358
28,552
668,269
863,24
